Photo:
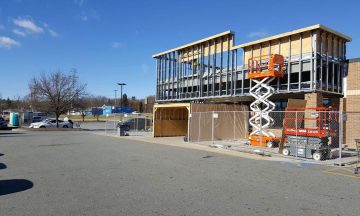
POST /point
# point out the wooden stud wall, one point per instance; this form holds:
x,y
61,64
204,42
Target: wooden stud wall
x,y
329,41
193,51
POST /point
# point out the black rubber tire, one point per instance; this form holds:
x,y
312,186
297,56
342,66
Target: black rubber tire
x,y
65,126
318,156
286,152
329,155
270,144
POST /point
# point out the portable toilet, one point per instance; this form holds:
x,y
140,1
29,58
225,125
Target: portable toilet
x,y
14,119
107,110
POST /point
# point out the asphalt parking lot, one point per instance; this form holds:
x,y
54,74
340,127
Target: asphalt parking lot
x,y
81,173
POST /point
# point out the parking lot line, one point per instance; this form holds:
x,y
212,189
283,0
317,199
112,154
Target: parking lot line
x,y
334,172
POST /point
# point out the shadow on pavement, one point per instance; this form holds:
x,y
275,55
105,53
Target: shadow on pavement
x,y
14,185
95,129
2,166
10,133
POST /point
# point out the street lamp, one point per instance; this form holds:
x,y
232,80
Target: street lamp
x,y
121,94
115,97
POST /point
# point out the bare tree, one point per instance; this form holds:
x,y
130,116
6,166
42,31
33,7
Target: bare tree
x,y
56,92
82,106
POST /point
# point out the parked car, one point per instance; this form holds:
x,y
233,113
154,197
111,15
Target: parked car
x,y
136,124
51,123
37,119
3,123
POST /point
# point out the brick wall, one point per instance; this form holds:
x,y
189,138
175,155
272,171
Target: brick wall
x,y
313,100
352,103
353,78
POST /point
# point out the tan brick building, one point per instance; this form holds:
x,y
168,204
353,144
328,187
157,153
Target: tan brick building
x,y
351,102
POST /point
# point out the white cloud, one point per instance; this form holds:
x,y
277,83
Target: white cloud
x,y
84,17
116,44
89,14
53,33
144,68
6,42
18,32
80,3
29,25
259,34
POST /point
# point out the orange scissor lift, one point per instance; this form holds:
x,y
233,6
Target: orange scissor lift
x,y
262,70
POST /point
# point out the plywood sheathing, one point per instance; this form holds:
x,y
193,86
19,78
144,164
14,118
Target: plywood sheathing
x,y
194,51
330,44
296,42
225,34
198,107
171,119
227,126
298,31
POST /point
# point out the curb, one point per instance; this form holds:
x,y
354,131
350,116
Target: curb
x,y
50,129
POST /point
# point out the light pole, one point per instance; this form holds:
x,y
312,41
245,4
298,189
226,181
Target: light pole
x,y
121,92
115,97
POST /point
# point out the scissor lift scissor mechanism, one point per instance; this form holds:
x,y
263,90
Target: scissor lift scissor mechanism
x,y
263,70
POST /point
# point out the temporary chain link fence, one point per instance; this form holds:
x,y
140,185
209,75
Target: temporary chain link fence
x,y
131,124
320,135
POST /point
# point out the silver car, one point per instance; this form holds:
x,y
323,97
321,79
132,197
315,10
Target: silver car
x,y
51,123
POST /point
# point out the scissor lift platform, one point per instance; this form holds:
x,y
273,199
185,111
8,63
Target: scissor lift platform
x,y
308,142
357,168
263,70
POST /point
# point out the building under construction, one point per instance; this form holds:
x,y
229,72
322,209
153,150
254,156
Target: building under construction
x,y
212,73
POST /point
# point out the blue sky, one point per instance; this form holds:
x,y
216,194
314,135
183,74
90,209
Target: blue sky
x,y
108,41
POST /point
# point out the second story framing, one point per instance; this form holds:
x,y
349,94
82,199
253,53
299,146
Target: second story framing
x,y
315,60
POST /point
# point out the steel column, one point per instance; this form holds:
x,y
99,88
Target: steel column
x,y
221,66
333,64
208,70
338,66
300,64
312,60
316,38
327,62
214,69
321,61
193,70
228,65
289,65
243,74
278,79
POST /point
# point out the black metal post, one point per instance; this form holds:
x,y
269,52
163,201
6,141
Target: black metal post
x,y
121,92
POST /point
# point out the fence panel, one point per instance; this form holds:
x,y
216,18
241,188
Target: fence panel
x,y
201,127
351,129
134,125
301,134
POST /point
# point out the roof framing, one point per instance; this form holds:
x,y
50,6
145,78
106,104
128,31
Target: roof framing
x,y
318,26
194,43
